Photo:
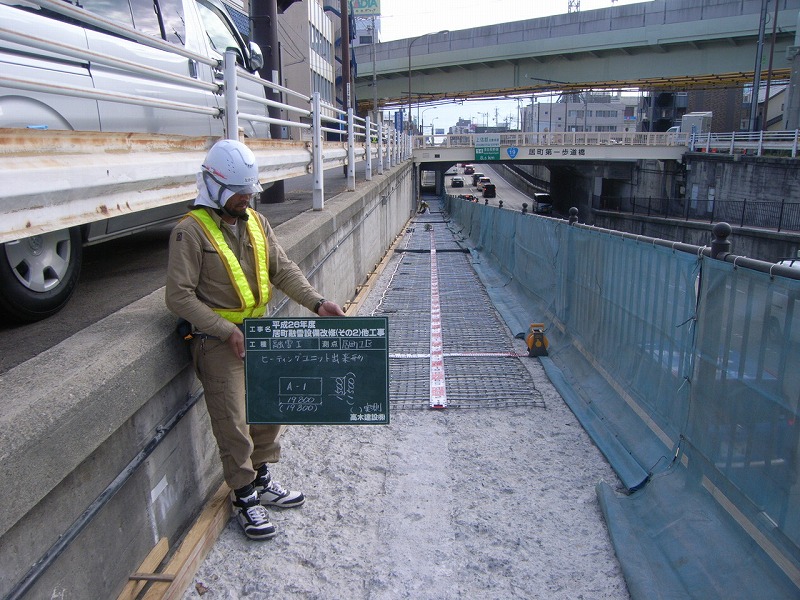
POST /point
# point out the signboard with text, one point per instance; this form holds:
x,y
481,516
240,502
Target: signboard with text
x,y
317,370
487,153
366,8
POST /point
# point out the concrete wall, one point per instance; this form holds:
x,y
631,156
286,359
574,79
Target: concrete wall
x,y
711,177
722,178
79,413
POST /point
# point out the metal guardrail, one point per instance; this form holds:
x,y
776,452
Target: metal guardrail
x,y
356,133
756,143
783,215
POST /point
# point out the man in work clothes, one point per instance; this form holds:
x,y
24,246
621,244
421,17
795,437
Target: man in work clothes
x,y
223,259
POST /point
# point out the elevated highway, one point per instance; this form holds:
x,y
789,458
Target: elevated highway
x,y
675,44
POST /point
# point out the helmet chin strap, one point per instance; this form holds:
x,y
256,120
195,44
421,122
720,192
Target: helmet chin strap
x,y
218,199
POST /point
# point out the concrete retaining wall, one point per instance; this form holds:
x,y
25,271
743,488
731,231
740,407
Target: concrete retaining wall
x,y
79,413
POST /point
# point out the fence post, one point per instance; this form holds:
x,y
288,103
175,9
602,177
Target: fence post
x,y
573,215
318,197
389,149
351,152
231,102
744,208
368,146
780,217
380,147
720,244
794,143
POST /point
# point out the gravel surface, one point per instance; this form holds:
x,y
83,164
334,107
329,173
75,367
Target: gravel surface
x,y
495,503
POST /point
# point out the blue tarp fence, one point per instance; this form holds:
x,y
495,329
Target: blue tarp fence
x,y
686,372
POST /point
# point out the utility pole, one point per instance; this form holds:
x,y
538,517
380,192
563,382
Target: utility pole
x,y
345,25
264,28
757,69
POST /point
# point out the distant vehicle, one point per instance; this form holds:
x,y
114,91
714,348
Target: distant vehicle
x,y
542,204
475,177
793,263
693,122
452,171
777,326
469,169
489,190
481,182
428,180
457,181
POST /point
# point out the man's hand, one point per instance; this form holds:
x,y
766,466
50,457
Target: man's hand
x,y
330,309
236,343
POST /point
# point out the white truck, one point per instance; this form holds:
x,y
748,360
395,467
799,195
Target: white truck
x,y
693,122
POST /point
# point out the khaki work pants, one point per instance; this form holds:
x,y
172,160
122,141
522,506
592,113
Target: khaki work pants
x,y
242,447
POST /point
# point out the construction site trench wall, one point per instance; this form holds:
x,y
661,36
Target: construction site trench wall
x,y
93,450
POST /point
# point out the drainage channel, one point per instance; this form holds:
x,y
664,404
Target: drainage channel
x,y
448,347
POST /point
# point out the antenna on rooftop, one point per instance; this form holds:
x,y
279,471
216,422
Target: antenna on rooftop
x,y
573,6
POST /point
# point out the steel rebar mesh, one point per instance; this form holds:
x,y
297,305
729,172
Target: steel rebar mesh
x,y
482,369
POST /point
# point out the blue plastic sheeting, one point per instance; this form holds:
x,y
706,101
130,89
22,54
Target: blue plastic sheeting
x,y
680,367
631,473
674,542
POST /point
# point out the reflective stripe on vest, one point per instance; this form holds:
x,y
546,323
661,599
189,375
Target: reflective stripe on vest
x,y
258,237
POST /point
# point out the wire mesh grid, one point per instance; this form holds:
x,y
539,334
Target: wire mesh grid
x,y
482,369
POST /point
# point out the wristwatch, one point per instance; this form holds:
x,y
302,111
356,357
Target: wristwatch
x,y
319,304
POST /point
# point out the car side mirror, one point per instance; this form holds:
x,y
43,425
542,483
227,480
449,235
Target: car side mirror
x,y
256,56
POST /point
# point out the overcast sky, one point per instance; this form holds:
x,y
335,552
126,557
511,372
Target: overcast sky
x,y
409,18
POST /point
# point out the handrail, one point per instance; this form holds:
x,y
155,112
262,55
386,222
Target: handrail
x,y
737,142
103,59
352,130
30,85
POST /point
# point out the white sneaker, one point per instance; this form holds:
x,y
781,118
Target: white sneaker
x,y
272,493
253,517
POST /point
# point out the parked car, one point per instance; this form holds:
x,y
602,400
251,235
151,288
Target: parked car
x,y
457,181
475,177
489,190
542,204
469,169
481,182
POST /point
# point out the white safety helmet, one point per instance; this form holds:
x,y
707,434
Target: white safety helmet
x,y
232,165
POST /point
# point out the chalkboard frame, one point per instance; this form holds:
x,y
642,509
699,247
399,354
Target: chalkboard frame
x,y
312,370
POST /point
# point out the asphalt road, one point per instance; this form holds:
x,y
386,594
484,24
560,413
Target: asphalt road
x,y
510,196
121,271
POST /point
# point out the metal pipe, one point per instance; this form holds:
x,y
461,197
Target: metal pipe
x,y
231,101
41,565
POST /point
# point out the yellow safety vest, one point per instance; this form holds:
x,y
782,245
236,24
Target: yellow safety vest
x,y
249,307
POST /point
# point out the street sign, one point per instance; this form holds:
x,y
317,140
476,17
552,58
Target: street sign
x,y
487,153
317,370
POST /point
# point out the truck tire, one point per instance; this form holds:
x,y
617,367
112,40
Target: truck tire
x,y
38,274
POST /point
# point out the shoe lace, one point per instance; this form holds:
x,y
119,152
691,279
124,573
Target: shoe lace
x,y
257,514
277,489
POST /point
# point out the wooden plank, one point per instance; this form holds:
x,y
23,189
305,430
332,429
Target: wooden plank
x,y
194,548
152,577
149,565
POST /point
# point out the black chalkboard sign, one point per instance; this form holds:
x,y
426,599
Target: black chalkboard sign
x,y
318,370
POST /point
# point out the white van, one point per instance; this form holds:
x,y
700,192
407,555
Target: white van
x,y
38,274
203,27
